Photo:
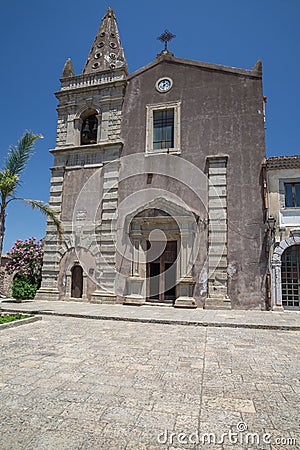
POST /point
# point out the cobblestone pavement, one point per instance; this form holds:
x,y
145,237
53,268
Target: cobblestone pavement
x,y
70,383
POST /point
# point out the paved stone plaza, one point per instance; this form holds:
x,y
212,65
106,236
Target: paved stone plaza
x,y
284,320
75,383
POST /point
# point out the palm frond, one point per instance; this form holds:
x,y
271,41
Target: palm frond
x,y
8,184
45,209
19,155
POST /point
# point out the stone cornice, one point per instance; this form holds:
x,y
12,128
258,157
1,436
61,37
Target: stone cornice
x,y
254,73
99,146
66,104
88,81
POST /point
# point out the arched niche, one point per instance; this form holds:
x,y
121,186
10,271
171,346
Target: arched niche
x,y
89,127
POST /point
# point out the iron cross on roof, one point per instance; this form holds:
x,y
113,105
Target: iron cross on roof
x,y
166,37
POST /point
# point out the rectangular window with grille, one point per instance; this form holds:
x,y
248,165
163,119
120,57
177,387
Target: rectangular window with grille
x,y
163,129
292,195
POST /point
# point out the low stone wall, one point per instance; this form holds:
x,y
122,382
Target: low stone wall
x,y
5,278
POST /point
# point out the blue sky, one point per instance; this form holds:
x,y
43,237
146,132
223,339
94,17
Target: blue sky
x,y
37,37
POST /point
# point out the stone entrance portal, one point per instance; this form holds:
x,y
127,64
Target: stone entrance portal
x,y
163,245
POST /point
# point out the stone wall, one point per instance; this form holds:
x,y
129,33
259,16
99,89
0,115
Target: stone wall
x,y
5,279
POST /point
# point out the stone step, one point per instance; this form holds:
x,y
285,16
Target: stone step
x,y
216,303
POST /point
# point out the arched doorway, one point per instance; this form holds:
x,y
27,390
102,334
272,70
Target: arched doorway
x,y
290,277
285,274
77,282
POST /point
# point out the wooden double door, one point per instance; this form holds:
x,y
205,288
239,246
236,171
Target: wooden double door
x,y
161,275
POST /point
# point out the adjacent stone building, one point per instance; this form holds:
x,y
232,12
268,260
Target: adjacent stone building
x,y
157,179
283,181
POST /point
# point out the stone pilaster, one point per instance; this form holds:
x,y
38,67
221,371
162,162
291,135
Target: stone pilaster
x,y
106,260
217,234
50,271
185,283
276,294
136,283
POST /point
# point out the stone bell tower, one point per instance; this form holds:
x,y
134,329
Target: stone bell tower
x,y
84,183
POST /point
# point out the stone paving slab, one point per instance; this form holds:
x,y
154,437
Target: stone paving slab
x,y
287,320
69,383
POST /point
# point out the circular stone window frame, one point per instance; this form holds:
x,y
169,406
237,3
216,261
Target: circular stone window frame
x,y
162,79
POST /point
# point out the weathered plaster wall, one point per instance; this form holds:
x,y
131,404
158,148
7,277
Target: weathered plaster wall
x,y
74,182
221,114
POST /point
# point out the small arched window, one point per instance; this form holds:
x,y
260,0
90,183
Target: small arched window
x,y
89,130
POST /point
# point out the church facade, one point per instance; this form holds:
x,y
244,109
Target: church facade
x,y
158,181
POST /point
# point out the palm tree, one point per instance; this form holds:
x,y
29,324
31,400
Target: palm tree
x,y
15,163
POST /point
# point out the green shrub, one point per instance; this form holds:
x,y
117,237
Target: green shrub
x,y
22,289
